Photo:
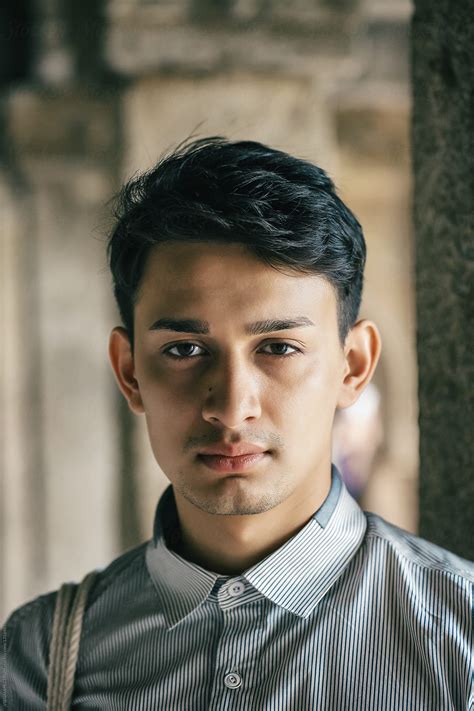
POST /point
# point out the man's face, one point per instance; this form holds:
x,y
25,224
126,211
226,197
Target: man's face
x,y
278,389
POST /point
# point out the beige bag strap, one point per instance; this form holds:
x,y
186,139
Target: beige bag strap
x,y
64,647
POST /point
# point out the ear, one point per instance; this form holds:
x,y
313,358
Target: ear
x,y
362,351
121,359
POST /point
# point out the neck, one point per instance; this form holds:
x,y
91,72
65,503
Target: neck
x,y
231,544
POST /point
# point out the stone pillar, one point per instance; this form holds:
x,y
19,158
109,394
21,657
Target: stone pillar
x,y
23,553
62,450
443,160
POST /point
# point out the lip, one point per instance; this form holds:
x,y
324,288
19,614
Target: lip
x,y
240,463
238,450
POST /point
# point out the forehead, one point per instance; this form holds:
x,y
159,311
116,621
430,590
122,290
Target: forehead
x,y
186,277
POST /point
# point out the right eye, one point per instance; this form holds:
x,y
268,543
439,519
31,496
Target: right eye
x,y
182,345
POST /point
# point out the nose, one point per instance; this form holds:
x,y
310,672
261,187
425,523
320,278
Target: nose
x,y
231,393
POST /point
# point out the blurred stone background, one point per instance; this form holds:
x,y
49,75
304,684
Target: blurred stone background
x,y
94,91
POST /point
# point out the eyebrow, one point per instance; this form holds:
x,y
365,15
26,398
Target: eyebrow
x,y
193,325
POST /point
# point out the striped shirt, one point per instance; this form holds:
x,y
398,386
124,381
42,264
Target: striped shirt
x,y
350,613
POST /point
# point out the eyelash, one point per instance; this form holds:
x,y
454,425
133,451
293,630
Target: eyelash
x,y
190,357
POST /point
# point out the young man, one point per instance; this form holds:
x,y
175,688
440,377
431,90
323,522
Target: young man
x,y
238,274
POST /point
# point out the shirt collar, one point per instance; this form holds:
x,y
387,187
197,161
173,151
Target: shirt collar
x,y
296,576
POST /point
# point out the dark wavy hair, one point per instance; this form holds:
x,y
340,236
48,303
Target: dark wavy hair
x,y
284,209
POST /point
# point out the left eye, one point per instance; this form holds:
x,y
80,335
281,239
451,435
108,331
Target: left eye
x,y
278,345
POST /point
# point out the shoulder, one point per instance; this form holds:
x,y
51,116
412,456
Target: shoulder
x,y
38,613
423,596
25,641
26,634
416,550
123,572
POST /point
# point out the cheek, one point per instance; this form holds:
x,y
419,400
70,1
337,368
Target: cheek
x,y
169,408
162,390
166,406
310,400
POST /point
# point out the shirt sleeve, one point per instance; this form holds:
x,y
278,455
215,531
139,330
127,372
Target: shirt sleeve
x,y
24,652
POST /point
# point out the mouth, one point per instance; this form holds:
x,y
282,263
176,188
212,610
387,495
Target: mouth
x,y
240,463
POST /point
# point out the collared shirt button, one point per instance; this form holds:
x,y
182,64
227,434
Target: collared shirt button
x,y
236,588
232,680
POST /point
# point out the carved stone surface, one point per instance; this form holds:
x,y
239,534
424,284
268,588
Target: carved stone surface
x,y
210,36
443,130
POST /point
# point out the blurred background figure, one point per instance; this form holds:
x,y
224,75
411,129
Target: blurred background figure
x,y
357,436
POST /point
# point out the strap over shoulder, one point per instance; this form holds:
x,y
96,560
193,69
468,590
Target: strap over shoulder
x,y
65,639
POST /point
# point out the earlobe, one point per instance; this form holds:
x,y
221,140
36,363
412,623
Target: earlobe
x,y
123,366
362,351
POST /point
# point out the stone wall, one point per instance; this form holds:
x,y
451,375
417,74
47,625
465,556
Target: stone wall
x,y
443,130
